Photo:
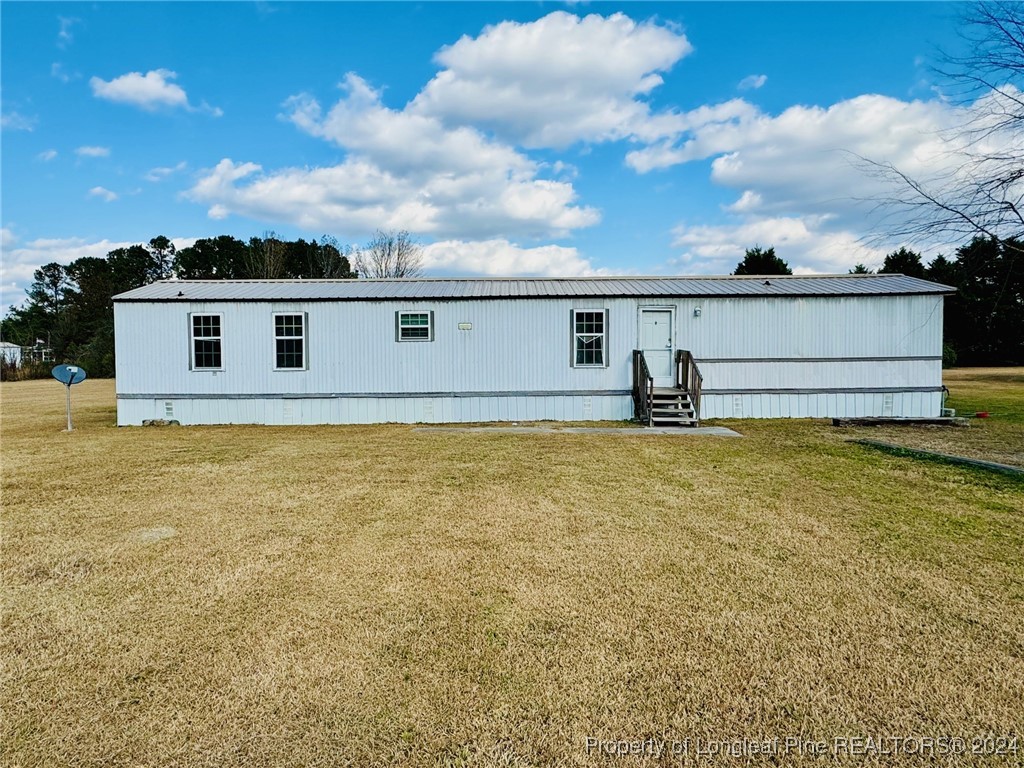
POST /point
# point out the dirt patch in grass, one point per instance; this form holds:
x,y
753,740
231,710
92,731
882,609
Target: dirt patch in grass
x,y
371,596
998,438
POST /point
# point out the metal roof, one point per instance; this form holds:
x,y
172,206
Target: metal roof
x,y
531,288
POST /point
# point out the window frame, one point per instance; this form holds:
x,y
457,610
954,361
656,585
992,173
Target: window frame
x,y
399,326
192,339
304,337
575,336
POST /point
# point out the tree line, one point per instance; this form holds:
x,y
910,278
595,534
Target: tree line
x,y
69,313
982,323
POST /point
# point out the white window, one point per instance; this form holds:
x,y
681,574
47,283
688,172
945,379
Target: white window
x,y
289,341
206,342
414,326
589,334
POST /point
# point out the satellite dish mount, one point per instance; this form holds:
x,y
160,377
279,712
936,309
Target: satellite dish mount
x,y
68,375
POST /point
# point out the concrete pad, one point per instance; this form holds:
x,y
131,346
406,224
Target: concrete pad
x,y
626,431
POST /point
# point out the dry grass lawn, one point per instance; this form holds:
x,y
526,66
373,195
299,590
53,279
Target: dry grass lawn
x,y
327,596
1000,437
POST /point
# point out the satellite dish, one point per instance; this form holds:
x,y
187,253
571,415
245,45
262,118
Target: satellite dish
x,y
68,375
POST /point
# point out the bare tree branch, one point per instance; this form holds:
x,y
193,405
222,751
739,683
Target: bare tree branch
x,y
332,260
982,192
265,257
390,254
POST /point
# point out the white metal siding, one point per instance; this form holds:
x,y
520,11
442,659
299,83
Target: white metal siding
x,y
870,326
519,351
514,346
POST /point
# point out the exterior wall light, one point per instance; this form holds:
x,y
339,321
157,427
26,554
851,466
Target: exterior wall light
x,y
696,312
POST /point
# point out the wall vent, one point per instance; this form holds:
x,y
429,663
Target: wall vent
x,y
887,404
588,408
168,409
737,406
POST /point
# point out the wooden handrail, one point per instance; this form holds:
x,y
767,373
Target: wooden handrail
x,y
643,389
689,378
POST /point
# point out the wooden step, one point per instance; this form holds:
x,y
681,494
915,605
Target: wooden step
x,y
672,407
673,422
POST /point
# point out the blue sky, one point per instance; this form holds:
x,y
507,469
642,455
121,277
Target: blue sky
x,y
510,138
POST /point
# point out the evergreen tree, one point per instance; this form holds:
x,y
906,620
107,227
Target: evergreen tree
x,y
758,261
903,262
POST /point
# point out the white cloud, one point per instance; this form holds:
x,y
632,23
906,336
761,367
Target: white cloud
x,y
752,82
500,257
151,91
557,80
103,193
402,141
359,196
65,36
57,70
47,155
806,243
402,170
447,164
748,201
161,173
798,179
678,148
93,151
16,121
7,238
805,151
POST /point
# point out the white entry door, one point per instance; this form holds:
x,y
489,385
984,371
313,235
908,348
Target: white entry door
x,y
656,343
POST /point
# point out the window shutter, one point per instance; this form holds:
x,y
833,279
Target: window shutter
x,y
305,341
607,336
398,326
572,338
191,343
431,325
273,340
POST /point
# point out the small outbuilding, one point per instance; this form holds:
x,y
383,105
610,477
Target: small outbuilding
x,y
664,350
11,354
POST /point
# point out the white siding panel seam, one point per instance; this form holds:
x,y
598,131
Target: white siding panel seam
x,y
815,390
375,395
892,358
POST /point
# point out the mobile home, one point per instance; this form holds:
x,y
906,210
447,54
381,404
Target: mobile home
x,y
667,350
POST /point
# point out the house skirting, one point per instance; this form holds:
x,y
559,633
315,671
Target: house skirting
x,y
428,408
821,403
462,407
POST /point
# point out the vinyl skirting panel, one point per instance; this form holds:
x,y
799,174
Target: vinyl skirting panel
x,y
484,407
